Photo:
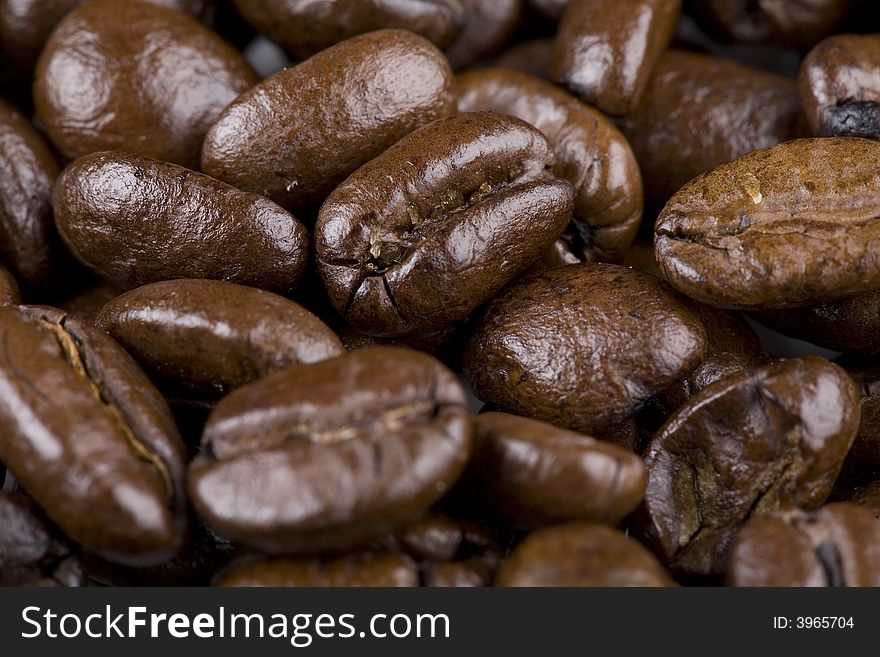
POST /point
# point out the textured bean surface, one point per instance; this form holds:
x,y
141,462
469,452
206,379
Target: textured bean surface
x,y
385,569
486,26
9,292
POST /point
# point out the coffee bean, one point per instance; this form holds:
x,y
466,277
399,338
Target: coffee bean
x,y
532,57
530,474
87,303
133,76
863,460
626,333
867,496
605,51
384,569
419,237
28,244
581,554
89,438
302,131
486,26
699,112
590,153
304,28
754,442
832,546
134,220
175,329
332,454
839,86
25,25
550,8
9,293
788,225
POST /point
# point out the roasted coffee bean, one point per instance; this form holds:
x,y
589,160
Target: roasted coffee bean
x,y
133,76
9,292
385,569
581,554
486,26
532,57
590,153
89,438
793,224
852,324
301,132
754,442
778,21
134,220
531,474
25,25
863,460
605,51
304,28
455,574
839,86
87,303
28,244
582,346
332,454
731,346
176,329
837,545
434,537
418,238
699,112
867,496
550,8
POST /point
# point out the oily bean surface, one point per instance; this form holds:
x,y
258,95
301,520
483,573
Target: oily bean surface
x,y
754,442
176,329
86,434
133,76
385,569
134,220
486,27
626,333
302,131
793,224
332,454
419,237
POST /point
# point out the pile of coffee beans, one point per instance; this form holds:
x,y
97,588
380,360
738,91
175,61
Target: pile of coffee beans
x,y
440,293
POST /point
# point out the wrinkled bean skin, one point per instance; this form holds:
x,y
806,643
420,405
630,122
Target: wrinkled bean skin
x,y
301,132
330,455
487,25
9,292
133,76
625,332
134,220
789,225
852,324
86,434
590,153
605,51
798,22
209,337
699,112
418,238
837,545
581,554
839,86
25,25
28,244
532,474
754,442
303,28
384,569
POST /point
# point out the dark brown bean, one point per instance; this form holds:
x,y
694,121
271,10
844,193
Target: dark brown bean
x,y
836,545
754,442
626,333
532,57
89,438
581,554
176,329
301,132
699,112
863,460
134,220
133,76
605,51
486,26
332,454
418,238
590,153
531,474
789,225
304,28
9,292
